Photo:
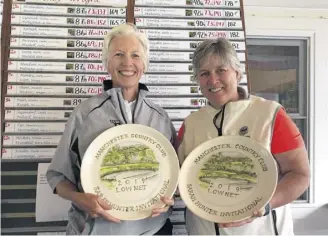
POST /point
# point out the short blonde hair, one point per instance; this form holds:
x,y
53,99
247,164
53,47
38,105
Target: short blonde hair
x,y
125,29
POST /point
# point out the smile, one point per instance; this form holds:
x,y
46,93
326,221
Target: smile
x,y
215,90
126,73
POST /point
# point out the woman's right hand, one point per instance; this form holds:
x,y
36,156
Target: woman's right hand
x,y
94,206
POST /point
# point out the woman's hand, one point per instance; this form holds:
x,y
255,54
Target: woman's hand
x,y
168,203
94,206
256,214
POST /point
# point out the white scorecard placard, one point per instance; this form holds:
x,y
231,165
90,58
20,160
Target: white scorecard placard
x,y
183,23
185,12
41,115
42,102
65,21
67,10
28,153
56,43
34,127
193,34
31,140
116,3
49,32
57,78
199,3
55,66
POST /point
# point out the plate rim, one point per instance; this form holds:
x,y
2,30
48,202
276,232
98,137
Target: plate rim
x,y
183,170
173,159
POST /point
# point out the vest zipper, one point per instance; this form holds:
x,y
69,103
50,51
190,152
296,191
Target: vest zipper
x,y
219,129
274,218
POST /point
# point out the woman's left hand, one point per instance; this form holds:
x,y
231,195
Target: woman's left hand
x,y
168,203
256,214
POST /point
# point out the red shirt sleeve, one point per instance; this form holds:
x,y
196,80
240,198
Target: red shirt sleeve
x,y
286,135
180,136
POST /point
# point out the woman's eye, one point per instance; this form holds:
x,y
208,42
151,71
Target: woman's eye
x,y
204,74
135,55
223,70
118,54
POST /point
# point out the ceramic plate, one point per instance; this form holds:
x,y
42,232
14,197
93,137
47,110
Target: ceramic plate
x,y
227,178
130,167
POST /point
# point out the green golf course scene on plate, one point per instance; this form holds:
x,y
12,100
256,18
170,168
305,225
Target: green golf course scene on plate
x,y
228,169
129,164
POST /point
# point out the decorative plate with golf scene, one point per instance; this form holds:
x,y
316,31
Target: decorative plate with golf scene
x,y
228,178
130,167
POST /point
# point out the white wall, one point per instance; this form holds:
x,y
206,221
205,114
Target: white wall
x,y
288,3
265,21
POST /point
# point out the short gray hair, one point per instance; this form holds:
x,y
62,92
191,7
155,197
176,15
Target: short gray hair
x,y
126,29
220,47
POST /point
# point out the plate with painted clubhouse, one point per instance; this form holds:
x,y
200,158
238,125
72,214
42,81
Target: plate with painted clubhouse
x,y
130,167
227,178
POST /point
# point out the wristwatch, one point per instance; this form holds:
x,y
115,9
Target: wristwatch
x,y
267,209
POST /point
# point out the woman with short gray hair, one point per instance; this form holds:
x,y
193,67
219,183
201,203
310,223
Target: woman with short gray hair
x,y
229,111
125,56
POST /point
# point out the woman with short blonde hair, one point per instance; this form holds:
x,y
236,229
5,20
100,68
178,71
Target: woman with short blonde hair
x,y
125,56
127,29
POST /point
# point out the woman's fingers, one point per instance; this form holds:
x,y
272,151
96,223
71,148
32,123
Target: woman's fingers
x,y
103,211
107,216
160,210
259,213
103,204
256,214
155,215
104,207
236,224
167,201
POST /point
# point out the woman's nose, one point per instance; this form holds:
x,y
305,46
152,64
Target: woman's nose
x,y
127,60
213,77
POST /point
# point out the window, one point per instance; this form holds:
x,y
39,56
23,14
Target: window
x,y
278,71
